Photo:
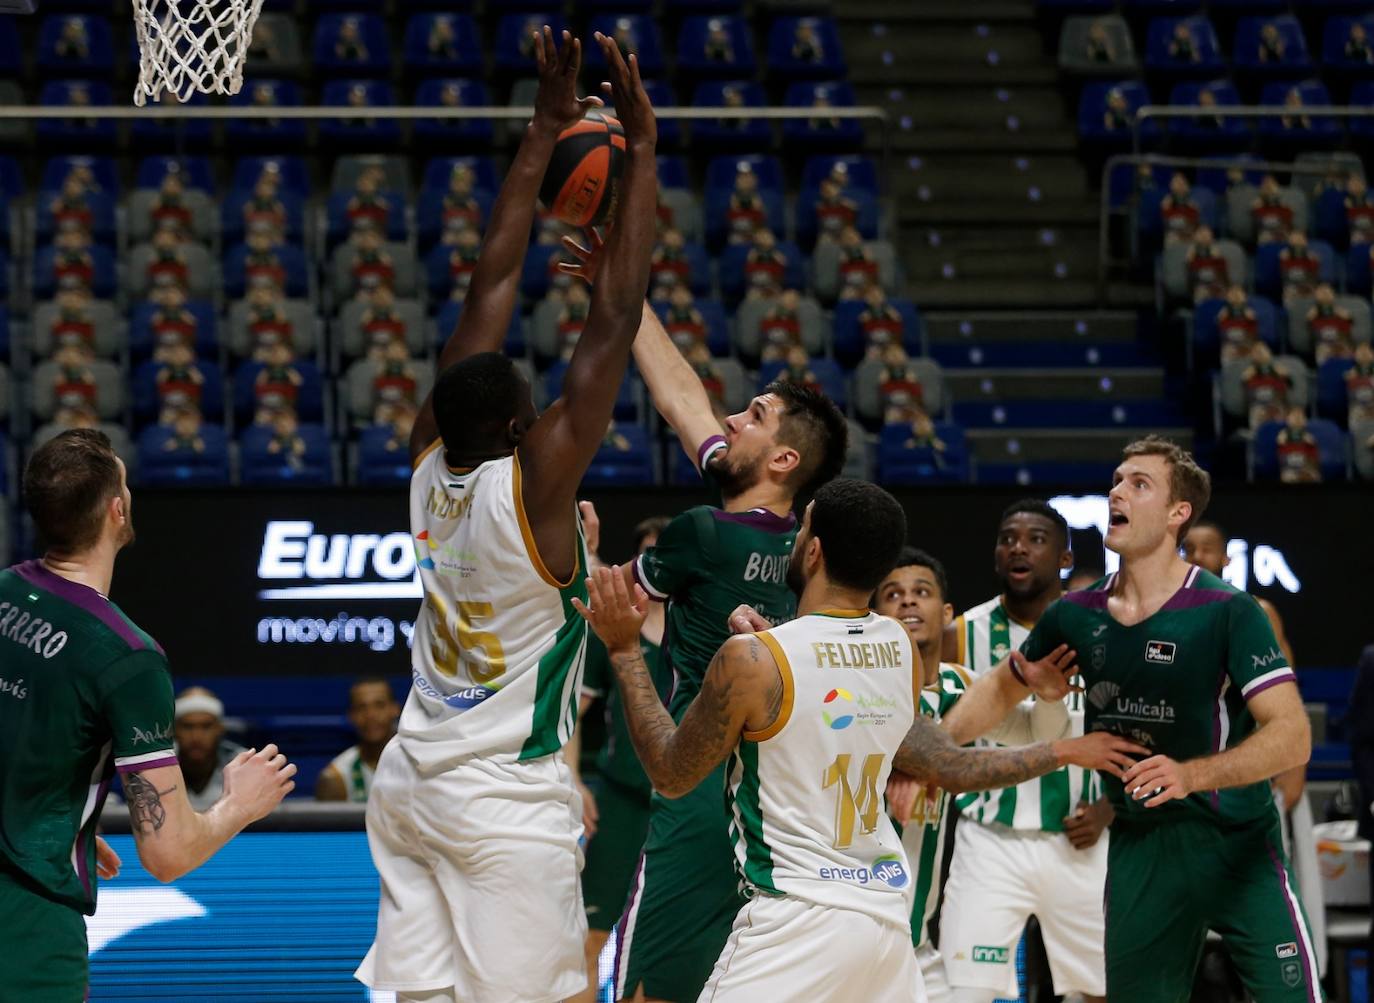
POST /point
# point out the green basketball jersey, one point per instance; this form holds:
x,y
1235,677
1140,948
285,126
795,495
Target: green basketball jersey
x,y
617,759
83,692
707,562
1178,682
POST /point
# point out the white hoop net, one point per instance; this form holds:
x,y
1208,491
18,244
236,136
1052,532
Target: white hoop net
x,y
187,46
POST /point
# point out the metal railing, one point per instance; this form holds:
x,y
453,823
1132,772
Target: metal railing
x,y
1149,112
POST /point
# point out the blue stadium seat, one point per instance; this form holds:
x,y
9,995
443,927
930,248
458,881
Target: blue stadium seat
x,y
231,216
74,132
1268,280
1216,179
439,266
338,226
294,176
145,399
1207,336
642,38
368,54
195,172
721,171
537,272
1054,474
378,465
458,56
11,55
1209,135
1296,137
849,342
1358,270
11,178
818,57
822,133
717,323
446,322
698,264
1294,60
697,6
1092,115
740,135
161,466
1205,60
861,172
56,169
102,222
45,273
1328,217
670,130
292,259
829,376
627,402
734,58
613,466
1362,93
808,224
371,135
512,31
429,214
1150,224
438,169
1331,447
143,340
438,92
718,223
309,402
1335,38
174,135
1332,394
899,465
5,288
257,133
449,6
88,53
1151,8
733,281
258,465
672,169
1248,6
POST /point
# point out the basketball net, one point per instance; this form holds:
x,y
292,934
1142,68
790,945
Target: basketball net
x,y
189,46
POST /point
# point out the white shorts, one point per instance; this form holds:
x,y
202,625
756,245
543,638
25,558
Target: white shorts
x,y
785,950
933,973
998,879
480,880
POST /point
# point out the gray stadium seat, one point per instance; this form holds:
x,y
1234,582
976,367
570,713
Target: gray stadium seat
x,y
857,461
1360,436
402,260
119,438
1241,225
751,313
868,403
1300,339
1073,46
361,399
1233,389
353,342
826,263
347,170
1334,163
303,327
686,212
204,215
285,57
109,389
104,321
1174,271
202,271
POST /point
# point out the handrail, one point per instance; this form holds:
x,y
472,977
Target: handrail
x,y
1156,111
406,112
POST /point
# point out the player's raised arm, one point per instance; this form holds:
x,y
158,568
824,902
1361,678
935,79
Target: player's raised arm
x,y
674,387
496,278
560,445
172,837
742,691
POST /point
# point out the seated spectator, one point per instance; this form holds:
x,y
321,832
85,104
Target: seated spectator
x,y
572,318
797,369
462,260
834,211
683,321
1182,48
180,382
349,45
1267,387
371,264
367,208
746,213
71,207
1207,120
903,398
880,321
263,266
1330,326
74,323
168,265
286,440
1237,325
669,266
712,381
820,99
381,325
184,425
923,438
1359,210
764,265
1359,386
1299,457
1116,111
73,263
1178,211
460,208
74,42
264,45
277,386
265,212
1299,267
1098,46
269,324
373,712
780,328
858,267
1272,218
395,384
1357,48
74,382
202,750
1294,119
169,210
400,420
615,439
1272,48
718,46
173,325
442,43
807,44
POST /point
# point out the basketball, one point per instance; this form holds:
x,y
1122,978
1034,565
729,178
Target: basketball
x,y
580,184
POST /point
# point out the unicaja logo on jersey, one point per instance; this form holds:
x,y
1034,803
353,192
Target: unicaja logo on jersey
x,y
1102,694
840,721
890,870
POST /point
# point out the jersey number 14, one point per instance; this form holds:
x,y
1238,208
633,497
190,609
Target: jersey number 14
x,y
855,804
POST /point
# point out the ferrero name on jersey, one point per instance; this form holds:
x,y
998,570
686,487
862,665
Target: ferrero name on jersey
x,y
862,655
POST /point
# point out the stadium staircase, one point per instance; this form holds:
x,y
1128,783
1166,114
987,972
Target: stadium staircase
x,y
1000,239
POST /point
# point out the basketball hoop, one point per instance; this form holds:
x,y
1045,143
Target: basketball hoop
x,y
189,46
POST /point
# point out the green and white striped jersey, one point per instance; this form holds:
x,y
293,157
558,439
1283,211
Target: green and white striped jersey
x,y
806,793
987,634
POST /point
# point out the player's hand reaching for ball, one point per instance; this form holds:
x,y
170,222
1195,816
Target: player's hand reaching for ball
x,y
588,258
257,780
627,92
1048,678
1157,780
1100,750
614,614
556,105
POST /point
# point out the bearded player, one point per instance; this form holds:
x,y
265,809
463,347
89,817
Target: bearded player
x,y
1008,842
473,819
1183,663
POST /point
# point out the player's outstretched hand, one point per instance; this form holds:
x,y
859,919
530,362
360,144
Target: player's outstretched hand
x,y
588,258
1157,780
631,101
556,104
1048,677
615,615
902,791
747,620
1101,750
107,862
258,780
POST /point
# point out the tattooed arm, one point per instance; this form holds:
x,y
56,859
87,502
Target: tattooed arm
x,y
929,754
173,838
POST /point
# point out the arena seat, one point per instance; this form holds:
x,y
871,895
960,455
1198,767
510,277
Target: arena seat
x,y
732,277
733,58
512,30
899,463
442,45
290,170
45,281
367,53
635,32
292,259
715,318
1206,58
1331,445
1294,59
629,402
744,135
829,377
143,339
848,341
378,465
259,465
821,134
1216,134
75,45
260,133
145,402
309,402
162,464
70,133
792,57
363,135
628,465
437,92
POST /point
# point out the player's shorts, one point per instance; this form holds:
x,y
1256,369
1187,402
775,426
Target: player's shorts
x,y
932,968
1172,881
684,897
479,869
42,947
613,853
998,879
786,950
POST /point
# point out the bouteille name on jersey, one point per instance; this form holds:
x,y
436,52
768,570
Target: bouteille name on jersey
x,y
31,631
767,568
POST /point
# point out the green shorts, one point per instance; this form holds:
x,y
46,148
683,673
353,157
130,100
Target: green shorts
x,y
42,947
613,853
1169,883
684,900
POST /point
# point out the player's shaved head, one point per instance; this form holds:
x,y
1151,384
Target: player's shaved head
x,y
68,485
482,405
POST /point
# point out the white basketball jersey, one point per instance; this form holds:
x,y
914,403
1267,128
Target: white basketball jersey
x,y
806,794
498,649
